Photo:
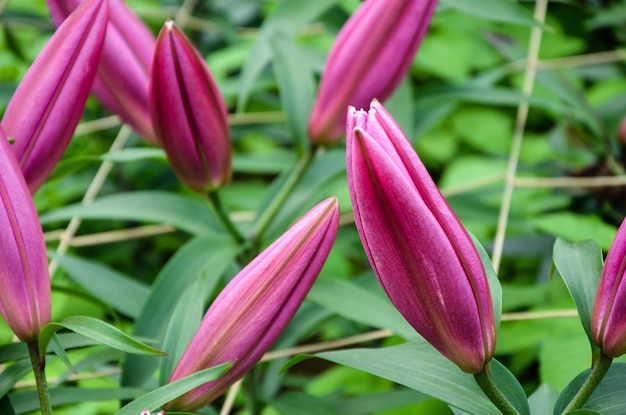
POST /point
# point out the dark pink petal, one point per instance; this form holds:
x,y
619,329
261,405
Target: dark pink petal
x,y
608,320
256,306
369,58
24,278
188,113
121,83
49,101
420,252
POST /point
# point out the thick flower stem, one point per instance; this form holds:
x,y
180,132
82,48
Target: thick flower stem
x,y
484,380
591,383
223,217
39,364
268,214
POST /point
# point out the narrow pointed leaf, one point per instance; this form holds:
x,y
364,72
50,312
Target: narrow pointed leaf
x,y
580,266
99,331
160,396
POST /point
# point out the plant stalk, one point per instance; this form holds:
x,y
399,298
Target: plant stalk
x,y
591,383
224,218
269,213
39,363
484,380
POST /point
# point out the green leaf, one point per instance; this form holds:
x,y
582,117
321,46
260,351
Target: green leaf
x,y
184,323
198,256
576,227
492,277
608,398
510,387
119,291
349,300
417,365
155,399
374,403
10,375
99,331
302,404
288,18
580,265
6,408
26,402
495,10
295,80
188,213
542,400
57,348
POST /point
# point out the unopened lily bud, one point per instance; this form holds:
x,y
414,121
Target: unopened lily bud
x,y
256,306
121,83
369,58
188,113
422,255
49,101
608,320
24,278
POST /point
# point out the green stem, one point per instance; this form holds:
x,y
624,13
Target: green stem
x,y
268,214
484,380
39,365
591,383
224,218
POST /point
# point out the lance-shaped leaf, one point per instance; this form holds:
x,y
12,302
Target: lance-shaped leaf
x,y
423,257
256,306
24,278
121,83
369,58
188,113
49,101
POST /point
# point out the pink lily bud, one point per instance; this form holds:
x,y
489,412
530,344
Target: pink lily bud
x,y
121,83
256,306
608,320
423,257
188,113
49,101
24,278
369,58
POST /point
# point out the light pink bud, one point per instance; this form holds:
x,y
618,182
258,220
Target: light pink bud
x,y
608,320
256,306
121,83
49,101
369,58
188,113
423,257
24,278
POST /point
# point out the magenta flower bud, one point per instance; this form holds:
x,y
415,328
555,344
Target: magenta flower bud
x,y
369,58
24,278
121,83
188,113
256,306
608,321
423,257
49,101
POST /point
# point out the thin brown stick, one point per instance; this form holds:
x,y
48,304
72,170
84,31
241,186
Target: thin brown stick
x,y
520,125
